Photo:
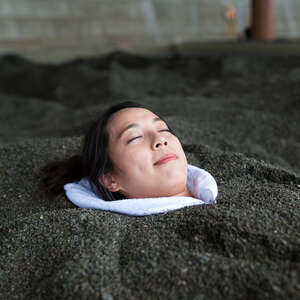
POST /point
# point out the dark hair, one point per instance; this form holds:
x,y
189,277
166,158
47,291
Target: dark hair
x,y
92,163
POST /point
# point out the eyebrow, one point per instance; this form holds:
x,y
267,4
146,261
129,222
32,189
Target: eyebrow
x,y
156,119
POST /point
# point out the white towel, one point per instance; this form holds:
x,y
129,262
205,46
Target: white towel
x,y
200,183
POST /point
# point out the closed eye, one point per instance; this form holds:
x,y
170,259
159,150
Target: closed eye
x,y
141,136
133,139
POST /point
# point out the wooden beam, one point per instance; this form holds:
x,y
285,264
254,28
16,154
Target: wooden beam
x,y
262,20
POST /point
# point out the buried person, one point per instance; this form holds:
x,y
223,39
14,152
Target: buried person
x,y
130,154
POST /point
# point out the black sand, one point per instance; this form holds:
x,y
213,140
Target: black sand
x,y
237,117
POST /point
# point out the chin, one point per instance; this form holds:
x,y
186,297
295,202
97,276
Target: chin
x,y
178,171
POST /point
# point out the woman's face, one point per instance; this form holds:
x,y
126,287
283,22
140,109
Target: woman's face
x,y
138,139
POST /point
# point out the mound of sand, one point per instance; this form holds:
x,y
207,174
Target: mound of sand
x,y
237,117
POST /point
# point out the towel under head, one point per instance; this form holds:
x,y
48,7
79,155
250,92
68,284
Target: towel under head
x,y
200,183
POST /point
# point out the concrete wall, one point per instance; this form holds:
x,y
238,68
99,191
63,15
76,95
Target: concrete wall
x,y
59,29
54,30
288,19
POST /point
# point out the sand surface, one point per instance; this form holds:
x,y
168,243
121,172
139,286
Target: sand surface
x,y
238,117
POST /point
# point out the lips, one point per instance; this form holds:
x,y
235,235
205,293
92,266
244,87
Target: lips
x,y
166,158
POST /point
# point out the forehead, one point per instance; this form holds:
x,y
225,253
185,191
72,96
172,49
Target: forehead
x,y
128,115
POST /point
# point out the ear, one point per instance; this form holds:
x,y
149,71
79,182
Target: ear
x,y
109,182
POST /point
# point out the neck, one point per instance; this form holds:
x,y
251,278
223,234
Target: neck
x,y
185,193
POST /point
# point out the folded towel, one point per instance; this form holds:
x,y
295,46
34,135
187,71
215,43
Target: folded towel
x,y
200,183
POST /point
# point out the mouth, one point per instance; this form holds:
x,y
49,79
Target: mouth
x,y
165,159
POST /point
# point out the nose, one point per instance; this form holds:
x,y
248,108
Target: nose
x,y
159,142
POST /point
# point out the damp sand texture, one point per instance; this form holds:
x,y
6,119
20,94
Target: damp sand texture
x,y
236,116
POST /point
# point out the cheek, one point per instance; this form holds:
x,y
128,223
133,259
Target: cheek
x,y
181,152
177,145
130,157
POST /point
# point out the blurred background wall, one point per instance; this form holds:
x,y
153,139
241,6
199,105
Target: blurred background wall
x,y
57,30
